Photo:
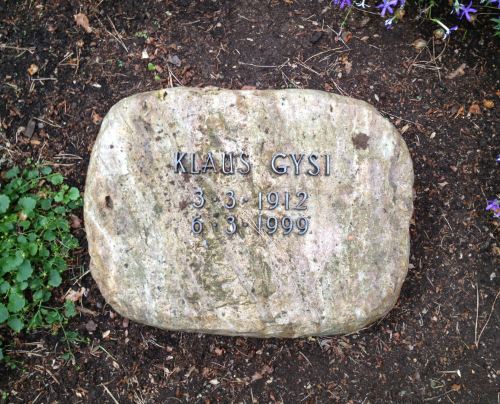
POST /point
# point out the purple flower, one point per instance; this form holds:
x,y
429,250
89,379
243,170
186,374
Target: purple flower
x,y
495,1
493,206
447,31
342,3
498,159
466,11
388,22
387,5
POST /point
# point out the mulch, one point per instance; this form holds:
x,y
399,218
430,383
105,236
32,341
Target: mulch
x,y
439,344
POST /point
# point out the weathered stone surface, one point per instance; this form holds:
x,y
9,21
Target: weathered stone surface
x,y
343,274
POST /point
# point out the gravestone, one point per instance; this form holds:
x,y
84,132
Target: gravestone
x,y
261,213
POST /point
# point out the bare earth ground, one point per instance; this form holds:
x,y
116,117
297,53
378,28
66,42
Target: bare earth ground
x,y
442,341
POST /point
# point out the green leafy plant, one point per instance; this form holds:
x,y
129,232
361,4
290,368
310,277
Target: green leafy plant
x,y
35,242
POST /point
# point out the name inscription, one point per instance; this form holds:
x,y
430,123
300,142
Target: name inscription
x,y
231,163
292,203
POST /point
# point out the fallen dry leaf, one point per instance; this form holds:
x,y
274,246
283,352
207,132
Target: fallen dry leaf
x,y
84,310
348,66
419,44
74,295
219,351
105,334
91,326
96,118
496,250
474,109
459,71
33,69
456,387
461,111
346,36
76,222
488,104
266,369
83,21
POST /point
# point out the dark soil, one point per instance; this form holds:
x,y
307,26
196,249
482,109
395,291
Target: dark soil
x,y
439,344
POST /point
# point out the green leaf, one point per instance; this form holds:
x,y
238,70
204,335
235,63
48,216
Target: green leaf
x,y
4,287
4,203
32,248
24,271
54,278
46,170
12,173
32,174
45,204
49,235
43,252
53,317
4,313
16,324
22,285
27,203
59,196
56,179
25,224
16,302
151,67
38,295
69,309
60,210
59,264
13,261
73,193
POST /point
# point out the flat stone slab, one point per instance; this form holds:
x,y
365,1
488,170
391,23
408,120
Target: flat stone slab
x,y
277,213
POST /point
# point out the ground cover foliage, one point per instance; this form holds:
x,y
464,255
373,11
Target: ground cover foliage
x,y
35,243
62,66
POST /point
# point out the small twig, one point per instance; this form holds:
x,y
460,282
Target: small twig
x,y
43,79
397,117
307,67
321,53
85,273
262,66
109,392
339,89
78,52
305,357
117,36
49,372
448,223
171,74
5,46
441,395
477,313
48,122
487,320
